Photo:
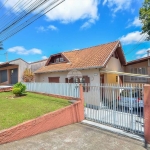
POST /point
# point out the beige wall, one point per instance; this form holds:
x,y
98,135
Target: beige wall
x,y
129,79
114,65
22,66
36,65
92,73
138,65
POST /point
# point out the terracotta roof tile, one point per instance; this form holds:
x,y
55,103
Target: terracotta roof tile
x,y
85,58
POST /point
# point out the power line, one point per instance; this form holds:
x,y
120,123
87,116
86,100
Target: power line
x,y
2,6
21,17
25,18
31,20
139,43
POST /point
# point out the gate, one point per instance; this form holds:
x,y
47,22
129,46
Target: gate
x,y
117,106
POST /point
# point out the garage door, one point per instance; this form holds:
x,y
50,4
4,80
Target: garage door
x,y
53,79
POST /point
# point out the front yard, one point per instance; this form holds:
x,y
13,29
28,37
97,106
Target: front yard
x,y
17,110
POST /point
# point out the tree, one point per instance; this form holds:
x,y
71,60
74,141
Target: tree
x,y
28,75
1,45
145,17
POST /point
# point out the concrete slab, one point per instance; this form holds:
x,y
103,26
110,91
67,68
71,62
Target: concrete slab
x,y
75,137
114,130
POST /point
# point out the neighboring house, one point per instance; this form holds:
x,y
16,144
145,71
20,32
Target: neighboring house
x,y
139,66
12,72
92,62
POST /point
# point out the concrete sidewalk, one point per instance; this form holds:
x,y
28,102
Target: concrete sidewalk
x,y
75,137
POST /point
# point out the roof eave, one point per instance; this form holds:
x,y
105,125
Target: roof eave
x,y
95,67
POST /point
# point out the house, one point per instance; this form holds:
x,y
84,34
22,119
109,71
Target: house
x,y
12,72
138,66
90,62
100,64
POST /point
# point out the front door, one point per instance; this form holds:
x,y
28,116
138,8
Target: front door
x,y
14,75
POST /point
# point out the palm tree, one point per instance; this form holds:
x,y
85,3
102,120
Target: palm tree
x,y
1,46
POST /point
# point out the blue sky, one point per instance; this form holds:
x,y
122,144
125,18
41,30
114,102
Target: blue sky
x,y
77,24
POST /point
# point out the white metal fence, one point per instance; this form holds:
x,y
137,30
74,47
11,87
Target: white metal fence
x,y
117,106
64,89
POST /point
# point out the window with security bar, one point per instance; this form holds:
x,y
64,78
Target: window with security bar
x,y
140,70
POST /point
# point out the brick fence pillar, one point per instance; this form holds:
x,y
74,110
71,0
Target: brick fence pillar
x,y
147,113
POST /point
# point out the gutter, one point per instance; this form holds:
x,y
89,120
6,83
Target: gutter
x,y
95,67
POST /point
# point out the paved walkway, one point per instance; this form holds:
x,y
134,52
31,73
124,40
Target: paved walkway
x,y
75,137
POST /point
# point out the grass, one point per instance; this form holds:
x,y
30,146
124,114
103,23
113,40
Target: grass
x,y
18,110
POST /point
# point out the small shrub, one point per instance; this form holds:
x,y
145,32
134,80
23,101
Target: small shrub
x,y
16,91
21,86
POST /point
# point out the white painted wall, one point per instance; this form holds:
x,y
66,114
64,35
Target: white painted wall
x,y
22,65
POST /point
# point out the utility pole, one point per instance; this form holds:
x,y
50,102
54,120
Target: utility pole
x,y
6,56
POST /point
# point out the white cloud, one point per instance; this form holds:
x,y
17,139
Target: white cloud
x,y
133,37
142,53
136,23
117,5
105,1
67,12
44,57
22,51
44,29
88,24
73,10
1,62
41,29
52,27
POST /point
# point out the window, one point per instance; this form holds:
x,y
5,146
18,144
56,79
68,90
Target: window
x,y
85,81
140,70
57,60
61,59
53,79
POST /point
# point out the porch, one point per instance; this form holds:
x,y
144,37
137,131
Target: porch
x,y
115,77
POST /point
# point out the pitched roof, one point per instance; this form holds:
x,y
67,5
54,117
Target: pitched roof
x,y
92,57
138,60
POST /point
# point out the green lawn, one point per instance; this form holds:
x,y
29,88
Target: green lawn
x,y
18,110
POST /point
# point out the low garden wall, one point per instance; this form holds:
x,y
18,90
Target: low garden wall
x,y
71,114
6,89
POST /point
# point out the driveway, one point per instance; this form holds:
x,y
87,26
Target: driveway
x,y
122,119
75,137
